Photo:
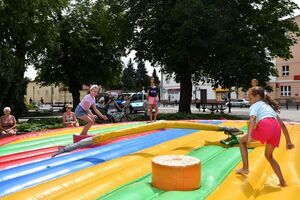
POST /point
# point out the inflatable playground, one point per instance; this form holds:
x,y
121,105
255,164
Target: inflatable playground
x,y
122,161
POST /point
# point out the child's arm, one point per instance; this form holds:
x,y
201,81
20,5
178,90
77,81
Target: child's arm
x,y
98,112
289,144
251,127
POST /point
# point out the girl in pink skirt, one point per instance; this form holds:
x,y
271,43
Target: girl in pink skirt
x,y
264,126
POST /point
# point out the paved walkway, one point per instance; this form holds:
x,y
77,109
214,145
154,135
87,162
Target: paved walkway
x,y
286,115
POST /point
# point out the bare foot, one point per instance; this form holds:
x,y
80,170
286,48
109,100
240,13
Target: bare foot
x,y
290,146
283,184
242,171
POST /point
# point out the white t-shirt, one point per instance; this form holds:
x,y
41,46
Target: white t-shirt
x,y
87,99
262,110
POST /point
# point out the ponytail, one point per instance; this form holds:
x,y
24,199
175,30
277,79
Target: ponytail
x,y
266,98
274,104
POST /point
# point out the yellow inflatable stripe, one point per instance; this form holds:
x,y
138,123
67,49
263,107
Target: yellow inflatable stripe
x,y
100,179
261,180
131,172
154,126
289,162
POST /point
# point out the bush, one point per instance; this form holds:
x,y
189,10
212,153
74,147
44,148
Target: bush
x,y
31,107
52,123
39,124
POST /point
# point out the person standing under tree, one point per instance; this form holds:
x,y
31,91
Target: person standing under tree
x,y
152,95
254,82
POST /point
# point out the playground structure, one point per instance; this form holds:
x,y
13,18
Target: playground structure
x,y
120,167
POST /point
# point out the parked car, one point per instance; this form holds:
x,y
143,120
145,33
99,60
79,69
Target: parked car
x,y
137,102
238,103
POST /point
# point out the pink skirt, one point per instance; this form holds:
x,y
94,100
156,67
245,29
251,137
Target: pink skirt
x,y
268,131
152,100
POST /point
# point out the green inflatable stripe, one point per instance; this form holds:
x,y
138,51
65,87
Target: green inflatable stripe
x,y
60,137
37,146
216,163
54,141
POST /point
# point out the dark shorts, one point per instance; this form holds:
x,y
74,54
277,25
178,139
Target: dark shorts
x,y
79,111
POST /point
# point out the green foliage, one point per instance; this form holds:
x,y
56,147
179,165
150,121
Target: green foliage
x,y
154,75
142,78
252,34
25,28
39,124
224,42
90,40
129,77
31,107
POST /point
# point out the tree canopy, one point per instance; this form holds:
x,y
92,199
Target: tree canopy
x,y
25,28
142,78
154,75
129,77
91,38
224,42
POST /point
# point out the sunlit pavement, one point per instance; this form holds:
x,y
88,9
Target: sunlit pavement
x,y
287,115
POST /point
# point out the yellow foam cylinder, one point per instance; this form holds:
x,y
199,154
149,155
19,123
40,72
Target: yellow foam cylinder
x,y
176,172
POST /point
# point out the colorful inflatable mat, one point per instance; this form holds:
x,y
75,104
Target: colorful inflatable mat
x,y
118,164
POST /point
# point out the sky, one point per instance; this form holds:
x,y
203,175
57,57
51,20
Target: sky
x,y
297,12
31,73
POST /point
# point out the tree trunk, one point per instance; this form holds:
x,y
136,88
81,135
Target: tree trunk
x,y
76,98
17,89
185,93
74,88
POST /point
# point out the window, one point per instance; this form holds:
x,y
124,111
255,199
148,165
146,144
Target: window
x,y
285,70
285,90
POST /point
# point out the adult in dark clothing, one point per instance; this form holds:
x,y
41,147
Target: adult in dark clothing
x,y
152,97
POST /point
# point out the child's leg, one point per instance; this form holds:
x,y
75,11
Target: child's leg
x,y
156,110
150,111
89,121
244,153
274,164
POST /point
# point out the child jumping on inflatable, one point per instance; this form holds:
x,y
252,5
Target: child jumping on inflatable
x,y
83,111
268,130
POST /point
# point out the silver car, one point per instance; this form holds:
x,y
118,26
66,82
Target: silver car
x,y
238,103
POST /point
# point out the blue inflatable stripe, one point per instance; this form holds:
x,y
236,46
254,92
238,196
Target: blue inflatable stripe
x,y
41,165
53,168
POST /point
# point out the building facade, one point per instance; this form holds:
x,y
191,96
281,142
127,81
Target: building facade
x,y
286,87
170,91
50,94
